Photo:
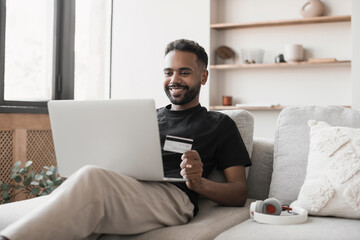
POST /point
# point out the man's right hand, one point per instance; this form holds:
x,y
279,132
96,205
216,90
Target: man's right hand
x,y
192,169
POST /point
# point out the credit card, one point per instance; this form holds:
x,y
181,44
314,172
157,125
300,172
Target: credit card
x,y
177,144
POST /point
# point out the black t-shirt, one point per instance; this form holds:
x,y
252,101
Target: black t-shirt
x,y
216,139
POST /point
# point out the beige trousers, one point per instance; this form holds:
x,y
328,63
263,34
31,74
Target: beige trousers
x,y
95,201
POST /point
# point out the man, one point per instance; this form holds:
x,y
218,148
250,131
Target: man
x,y
95,201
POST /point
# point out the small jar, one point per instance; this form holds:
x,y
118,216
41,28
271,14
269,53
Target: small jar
x,y
227,100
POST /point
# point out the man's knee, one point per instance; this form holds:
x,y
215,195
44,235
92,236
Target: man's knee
x,y
96,175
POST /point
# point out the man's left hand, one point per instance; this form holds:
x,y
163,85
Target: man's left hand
x,y
191,168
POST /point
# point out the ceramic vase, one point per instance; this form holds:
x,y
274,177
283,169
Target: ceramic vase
x,y
312,8
293,52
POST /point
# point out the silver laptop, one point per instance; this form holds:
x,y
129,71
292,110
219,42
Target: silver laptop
x,y
120,135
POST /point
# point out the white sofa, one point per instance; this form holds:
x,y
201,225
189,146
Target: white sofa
x,y
283,175
278,170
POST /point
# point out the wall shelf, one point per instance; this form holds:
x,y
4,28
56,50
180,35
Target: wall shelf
x,y
254,108
325,19
279,65
250,108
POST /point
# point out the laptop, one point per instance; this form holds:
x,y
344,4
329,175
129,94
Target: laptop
x,y
119,135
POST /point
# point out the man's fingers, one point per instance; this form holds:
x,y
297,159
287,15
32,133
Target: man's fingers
x,y
187,171
190,176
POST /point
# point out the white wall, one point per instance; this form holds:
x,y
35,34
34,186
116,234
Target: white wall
x,y
141,30
355,28
291,86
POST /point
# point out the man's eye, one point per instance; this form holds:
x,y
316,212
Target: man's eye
x,y
185,73
167,73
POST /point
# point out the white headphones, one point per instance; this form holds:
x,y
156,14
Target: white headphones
x,y
268,211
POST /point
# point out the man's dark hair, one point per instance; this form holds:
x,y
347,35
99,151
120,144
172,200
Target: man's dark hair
x,y
188,46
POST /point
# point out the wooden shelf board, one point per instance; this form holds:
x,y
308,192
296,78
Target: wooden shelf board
x,y
259,108
324,19
278,107
276,65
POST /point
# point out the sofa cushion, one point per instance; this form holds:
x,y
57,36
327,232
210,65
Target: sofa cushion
x,y
259,178
332,183
245,122
291,146
319,228
210,221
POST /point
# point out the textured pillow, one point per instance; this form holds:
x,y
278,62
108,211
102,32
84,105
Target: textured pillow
x,y
292,141
332,182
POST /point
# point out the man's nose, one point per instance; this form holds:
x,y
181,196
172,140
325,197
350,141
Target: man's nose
x,y
175,78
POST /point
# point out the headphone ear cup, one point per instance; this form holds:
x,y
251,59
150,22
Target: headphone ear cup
x,y
272,206
259,206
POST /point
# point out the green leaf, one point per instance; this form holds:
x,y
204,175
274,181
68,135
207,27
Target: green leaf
x,y
28,164
17,164
13,175
35,191
44,193
52,178
51,183
35,183
18,179
5,195
22,171
38,177
27,181
4,187
46,167
49,173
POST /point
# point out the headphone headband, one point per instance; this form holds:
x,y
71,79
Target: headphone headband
x,y
300,215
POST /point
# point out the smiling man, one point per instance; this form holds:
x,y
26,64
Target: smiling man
x,y
82,208
216,140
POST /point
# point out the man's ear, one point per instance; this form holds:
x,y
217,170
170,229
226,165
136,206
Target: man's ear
x,y
204,77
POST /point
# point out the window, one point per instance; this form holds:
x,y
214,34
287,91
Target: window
x,y
53,49
92,49
27,68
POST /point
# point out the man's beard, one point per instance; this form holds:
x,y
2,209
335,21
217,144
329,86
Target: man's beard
x,y
188,96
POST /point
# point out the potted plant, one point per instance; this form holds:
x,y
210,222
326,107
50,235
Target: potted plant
x,y
28,182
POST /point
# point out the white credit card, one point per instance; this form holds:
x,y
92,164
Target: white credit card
x,y
177,144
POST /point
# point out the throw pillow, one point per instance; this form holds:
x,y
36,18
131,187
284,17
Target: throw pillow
x,y
332,182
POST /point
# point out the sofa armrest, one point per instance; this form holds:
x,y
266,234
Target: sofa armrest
x,y
259,177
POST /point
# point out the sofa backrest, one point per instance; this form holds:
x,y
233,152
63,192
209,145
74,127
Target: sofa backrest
x,y
291,145
245,122
259,177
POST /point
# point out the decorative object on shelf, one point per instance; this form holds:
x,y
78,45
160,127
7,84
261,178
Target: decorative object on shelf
x,y
312,8
224,54
227,100
251,55
293,52
280,58
322,60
